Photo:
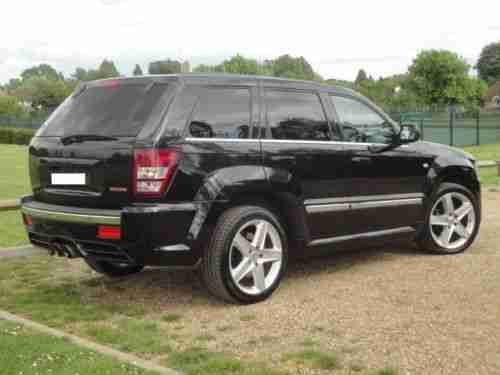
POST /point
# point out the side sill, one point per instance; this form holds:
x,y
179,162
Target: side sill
x,y
379,233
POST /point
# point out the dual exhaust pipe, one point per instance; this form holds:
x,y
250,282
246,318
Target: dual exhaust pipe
x,y
63,250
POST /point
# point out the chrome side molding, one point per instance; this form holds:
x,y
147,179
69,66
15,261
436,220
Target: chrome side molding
x,y
360,203
379,233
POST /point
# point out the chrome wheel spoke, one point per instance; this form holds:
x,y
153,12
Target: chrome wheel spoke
x,y
446,235
259,239
448,204
270,255
441,220
242,244
243,269
259,277
461,231
463,210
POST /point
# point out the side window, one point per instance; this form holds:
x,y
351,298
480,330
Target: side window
x,y
360,123
221,113
296,115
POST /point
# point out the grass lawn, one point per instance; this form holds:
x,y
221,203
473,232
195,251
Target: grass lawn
x,y
23,351
489,177
124,314
485,152
14,179
12,232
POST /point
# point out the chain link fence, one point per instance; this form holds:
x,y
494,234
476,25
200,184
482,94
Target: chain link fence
x,y
454,128
446,126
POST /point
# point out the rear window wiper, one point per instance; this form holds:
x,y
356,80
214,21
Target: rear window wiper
x,y
77,138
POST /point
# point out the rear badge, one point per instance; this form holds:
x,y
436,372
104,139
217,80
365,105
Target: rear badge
x,y
117,189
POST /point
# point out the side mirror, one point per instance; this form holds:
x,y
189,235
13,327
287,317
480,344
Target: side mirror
x,y
408,133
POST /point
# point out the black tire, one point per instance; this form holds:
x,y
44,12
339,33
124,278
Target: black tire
x,y
113,269
215,268
426,241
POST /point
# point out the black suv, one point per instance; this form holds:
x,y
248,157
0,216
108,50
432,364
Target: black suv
x,y
235,174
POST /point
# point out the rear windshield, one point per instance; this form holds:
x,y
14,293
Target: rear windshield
x,y
113,110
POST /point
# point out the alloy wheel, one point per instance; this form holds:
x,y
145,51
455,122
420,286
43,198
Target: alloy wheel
x,y
452,221
255,256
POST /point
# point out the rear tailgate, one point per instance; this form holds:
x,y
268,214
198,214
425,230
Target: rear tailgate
x,y
83,154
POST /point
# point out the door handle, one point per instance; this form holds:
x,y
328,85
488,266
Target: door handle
x,y
361,159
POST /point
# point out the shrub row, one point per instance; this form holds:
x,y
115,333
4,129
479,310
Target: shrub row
x,y
17,136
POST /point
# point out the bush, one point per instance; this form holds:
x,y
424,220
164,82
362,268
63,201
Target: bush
x,y
17,136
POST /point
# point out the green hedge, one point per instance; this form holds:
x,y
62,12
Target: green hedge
x,y
17,136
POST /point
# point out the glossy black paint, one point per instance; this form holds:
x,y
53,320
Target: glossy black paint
x,y
215,173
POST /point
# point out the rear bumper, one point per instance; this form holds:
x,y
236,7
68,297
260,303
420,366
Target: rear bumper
x,y
150,234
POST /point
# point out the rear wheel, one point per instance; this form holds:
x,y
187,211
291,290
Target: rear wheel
x,y
452,220
247,255
113,269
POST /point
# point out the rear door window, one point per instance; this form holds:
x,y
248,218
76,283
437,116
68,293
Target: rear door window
x,y
296,115
221,113
110,110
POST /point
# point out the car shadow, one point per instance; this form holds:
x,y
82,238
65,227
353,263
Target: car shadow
x,y
183,286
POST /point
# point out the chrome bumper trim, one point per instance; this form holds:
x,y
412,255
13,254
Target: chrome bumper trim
x,y
71,217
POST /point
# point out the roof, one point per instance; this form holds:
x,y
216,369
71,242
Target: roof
x,y
215,78
493,91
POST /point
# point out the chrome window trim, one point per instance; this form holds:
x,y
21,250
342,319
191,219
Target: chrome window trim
x,y
71,217
329,240
364,198
193,139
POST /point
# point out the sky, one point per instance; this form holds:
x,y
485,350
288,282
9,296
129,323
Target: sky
x,y
337,38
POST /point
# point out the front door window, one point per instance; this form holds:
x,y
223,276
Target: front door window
x,y
360,123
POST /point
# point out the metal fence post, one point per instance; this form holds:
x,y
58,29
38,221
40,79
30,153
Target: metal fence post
x,y
422,128
452,123
478,139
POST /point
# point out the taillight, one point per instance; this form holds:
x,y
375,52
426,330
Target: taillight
x,y
27,219
153,170
109,232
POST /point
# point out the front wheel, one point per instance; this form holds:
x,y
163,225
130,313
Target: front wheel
x,y
247,255
452,220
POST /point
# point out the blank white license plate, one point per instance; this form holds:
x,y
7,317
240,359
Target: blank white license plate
x,y
67,178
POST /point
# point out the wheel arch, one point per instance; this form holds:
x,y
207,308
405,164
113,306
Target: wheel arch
x,y
226,189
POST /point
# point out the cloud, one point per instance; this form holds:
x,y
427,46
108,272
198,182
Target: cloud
x,y
112,2
361,60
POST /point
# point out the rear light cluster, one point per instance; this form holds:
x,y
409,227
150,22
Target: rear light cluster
x,y
109,232
153,171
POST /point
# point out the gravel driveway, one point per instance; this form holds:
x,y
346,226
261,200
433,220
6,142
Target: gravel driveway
x,y
376,308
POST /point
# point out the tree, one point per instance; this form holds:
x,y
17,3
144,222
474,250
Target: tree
x,y
203,68
362,76
440,77
239,65
291,67
106,69
137,70
164,67
42,70
80,74
488,65
10,106
43,93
